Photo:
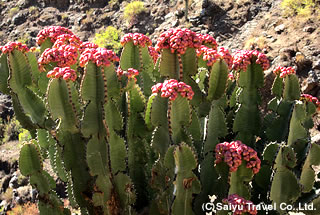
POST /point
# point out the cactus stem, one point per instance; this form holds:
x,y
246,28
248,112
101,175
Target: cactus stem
x,y
169,118
71,102
104,85
180,68
140,58
82,79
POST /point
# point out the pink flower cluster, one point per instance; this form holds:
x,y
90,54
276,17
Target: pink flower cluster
x,y
310,98
232,154
66,73
154,54
240,205
284,71
136,38
130,73
67,39
208,40
171,88
100,56
51,32
86,45
64,56
10,46
178,40
242,58
212,55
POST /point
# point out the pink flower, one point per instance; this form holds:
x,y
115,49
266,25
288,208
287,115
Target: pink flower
x,y
136,38
234,152
67,39
66,73
284,71
154,54
64,56
86,45
242,58
212,55
240,205
310,98
178,40
208,40
10,46
51,32
100,56
171,88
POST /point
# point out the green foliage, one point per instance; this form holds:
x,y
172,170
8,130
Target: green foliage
x,y
109,37
302,8
133,9
10,130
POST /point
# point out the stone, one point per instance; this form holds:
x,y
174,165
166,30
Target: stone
x,y
4,182
280,28
19,18
316,64
179,13
14,182
309,29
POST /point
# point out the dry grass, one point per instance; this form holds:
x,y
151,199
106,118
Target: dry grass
x,y
7,196
26,209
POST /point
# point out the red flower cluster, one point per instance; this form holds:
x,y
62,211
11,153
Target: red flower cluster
x,y
10,46
66,73
242,58
208,40
178,40
240,205
310,98
136,38
284,71
100,56
154,54
51,32
212,55
86,45
67,39
171,88
64,56
130,73
232,154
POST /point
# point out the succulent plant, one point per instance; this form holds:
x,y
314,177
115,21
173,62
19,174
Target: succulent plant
x,y
159,129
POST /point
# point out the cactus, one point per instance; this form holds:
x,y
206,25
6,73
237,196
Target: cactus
x,y
170,126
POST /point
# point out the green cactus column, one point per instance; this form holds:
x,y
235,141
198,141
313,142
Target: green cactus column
x,y
247,122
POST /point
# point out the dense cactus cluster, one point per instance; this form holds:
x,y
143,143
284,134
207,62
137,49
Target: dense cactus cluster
x,y
158,130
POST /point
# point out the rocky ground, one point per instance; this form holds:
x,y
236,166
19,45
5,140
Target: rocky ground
x,y
236,24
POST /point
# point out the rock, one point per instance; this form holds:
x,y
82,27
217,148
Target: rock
x,y
4,183
311,83
19,18
179,13
309,29
168,16
316,64
175,23
316,139
14,182
48,16
280,28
